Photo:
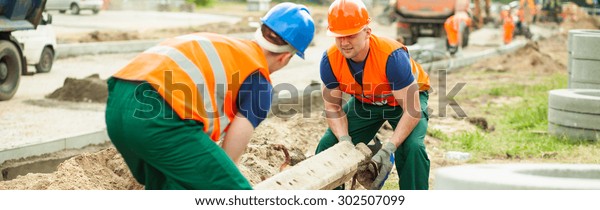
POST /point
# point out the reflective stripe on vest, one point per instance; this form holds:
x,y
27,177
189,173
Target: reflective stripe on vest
x,y
212,66
220,85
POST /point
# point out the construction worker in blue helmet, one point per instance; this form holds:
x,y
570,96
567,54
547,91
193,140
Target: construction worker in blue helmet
x,y
182,112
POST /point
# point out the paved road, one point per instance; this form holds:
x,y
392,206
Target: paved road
x,y
131,20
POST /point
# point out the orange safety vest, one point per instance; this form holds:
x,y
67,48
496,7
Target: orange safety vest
x,y
199,76
452,27
376,88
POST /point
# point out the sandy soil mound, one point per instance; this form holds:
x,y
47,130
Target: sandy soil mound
x,y
530,59
104,170
89,89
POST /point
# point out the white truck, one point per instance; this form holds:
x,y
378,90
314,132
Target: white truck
x,y
39,45
15,15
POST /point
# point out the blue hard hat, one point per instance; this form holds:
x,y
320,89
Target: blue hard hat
x,y
292,22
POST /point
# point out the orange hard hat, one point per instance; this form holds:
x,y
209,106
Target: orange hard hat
x,y
346,17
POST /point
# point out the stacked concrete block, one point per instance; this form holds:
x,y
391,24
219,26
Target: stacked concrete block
x,y
584,59
574,113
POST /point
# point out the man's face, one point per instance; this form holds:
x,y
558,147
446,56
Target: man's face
x,y
354,46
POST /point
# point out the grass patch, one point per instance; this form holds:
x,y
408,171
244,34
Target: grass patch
x,y
520,128
437,133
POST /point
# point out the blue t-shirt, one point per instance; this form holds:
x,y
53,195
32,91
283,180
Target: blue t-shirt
x,y
398,70
254,98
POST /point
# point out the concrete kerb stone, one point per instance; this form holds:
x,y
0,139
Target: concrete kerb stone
x,y
453,64
129,46
74,142
518,177
94,48
586,71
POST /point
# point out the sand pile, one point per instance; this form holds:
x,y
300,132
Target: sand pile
x,y
104,170
543,57
89,89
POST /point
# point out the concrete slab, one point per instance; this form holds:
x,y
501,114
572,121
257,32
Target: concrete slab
x,y
519,177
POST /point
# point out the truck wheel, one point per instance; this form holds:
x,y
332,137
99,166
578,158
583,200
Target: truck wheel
x,y
46,60
96,11
10,70
75,9
62,11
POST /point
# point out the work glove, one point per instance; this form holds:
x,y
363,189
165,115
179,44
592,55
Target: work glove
x,y
384,159
345,138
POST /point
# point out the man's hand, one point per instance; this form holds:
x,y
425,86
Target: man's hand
x,y
345,138
384,159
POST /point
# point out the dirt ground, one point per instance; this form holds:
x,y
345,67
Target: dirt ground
x,y
299,135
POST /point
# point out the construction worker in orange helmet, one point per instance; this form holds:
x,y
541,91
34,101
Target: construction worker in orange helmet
x,y
168,109
508,25
456,26
385,85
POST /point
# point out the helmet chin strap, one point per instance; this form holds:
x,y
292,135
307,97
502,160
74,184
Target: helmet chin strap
x,y
262,42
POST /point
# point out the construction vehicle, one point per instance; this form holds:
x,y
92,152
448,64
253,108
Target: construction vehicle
x,y
421,18
551,11
15,15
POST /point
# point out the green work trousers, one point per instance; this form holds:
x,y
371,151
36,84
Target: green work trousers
x,y
162,150
364,120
